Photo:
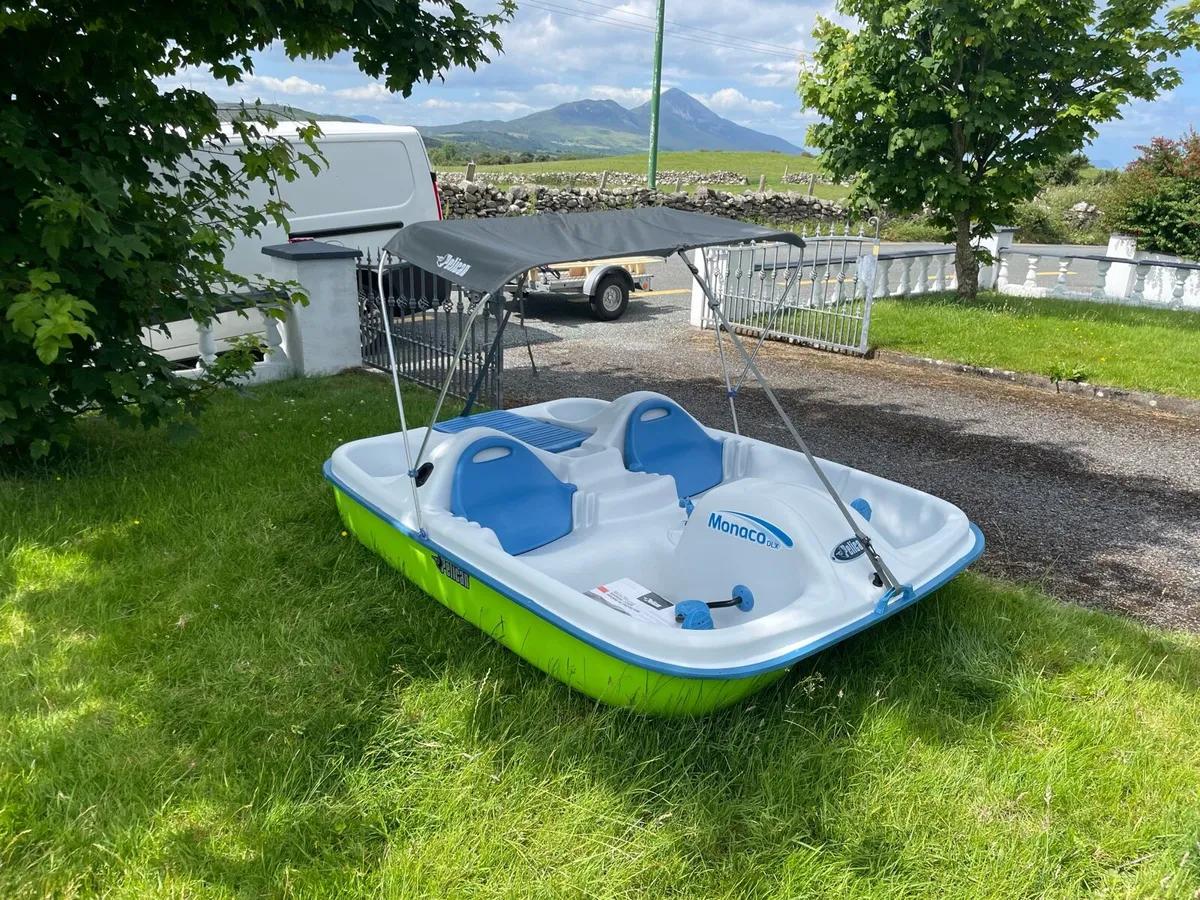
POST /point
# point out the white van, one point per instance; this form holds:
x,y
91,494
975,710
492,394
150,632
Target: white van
x,y
376,179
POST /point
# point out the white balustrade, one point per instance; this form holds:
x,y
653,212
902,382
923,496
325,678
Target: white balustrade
x,y
206,345
1181,276
1139,284
939,273
1060,283
883,274
906,276
1102,267
1002,278
922,284
1031,273
271,335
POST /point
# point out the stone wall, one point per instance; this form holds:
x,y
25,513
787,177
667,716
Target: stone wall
x,y
802,178
471,200
666,178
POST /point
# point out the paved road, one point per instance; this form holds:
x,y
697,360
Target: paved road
x,y
1097,503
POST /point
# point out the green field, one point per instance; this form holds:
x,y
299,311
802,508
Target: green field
x,y
208,690
752,165
1124,346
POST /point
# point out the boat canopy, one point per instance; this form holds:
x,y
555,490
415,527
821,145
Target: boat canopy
x,y
485,254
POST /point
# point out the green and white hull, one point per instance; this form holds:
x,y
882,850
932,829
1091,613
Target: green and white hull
x,y
638,557
554,651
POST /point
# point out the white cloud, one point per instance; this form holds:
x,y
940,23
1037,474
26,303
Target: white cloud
x,y
734,102
476,108
772,74
372,91
625,96
293,85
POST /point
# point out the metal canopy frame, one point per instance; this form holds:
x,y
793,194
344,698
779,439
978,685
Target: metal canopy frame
x,y
884,576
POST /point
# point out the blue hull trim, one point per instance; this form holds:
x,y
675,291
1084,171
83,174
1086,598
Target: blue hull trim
x,y
779,662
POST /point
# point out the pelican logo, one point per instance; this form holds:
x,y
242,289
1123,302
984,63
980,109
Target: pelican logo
x,y
451,571
849,549
749,528
453,264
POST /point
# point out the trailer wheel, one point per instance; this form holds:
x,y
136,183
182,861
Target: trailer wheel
x,y
611,298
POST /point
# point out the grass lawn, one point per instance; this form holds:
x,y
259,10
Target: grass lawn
x,y
1142,349
207,690
750,164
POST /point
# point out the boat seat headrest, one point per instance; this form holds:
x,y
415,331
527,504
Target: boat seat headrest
x,y
499,483
662,439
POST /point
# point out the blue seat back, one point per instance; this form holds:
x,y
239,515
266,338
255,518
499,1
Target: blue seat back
x,y
661,439
512,493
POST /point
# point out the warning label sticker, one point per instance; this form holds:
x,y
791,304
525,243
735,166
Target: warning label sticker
x,y
631,598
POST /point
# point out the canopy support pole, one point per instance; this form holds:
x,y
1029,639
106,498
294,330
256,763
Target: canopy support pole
x,y
387,330
468,326
885,574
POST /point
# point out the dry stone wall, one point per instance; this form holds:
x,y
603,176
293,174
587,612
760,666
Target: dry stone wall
x,y
803,177
588,179
472,200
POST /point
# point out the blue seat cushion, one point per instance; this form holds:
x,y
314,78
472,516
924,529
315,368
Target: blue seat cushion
x,y
543,435
661,439
500,484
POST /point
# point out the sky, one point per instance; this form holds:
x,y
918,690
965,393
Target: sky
x,y
740,57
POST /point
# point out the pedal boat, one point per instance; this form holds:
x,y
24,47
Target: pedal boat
x,y
636,555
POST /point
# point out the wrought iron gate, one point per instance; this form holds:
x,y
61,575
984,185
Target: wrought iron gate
x,y
428,315
827,302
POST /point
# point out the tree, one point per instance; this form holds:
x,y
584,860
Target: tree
x,y
1064,170
119,190
1159,197
956,105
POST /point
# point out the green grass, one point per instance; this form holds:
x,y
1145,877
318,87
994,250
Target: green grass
x,y
206,690
750,164
1142,349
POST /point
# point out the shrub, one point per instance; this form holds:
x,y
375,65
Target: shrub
x,y
1037,223
1160,202
1067,169
913,228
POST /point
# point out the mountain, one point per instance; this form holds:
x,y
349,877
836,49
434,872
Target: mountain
x,y
684,123
227,111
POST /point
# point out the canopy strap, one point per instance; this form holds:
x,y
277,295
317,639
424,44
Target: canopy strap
x,y
885,574
387,330
525,334
489,358
730,391
771,318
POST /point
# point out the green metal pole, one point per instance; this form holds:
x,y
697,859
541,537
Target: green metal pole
x,y
658,42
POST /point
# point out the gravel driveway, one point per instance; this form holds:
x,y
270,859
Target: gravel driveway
x,y
1095,503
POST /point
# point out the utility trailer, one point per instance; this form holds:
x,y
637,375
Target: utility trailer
x,y
603,283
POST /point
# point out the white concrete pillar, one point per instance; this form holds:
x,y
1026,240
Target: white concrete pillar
x,y
997,243
322,337
1119,280
717,272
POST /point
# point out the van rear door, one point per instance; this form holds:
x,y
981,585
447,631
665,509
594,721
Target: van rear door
x,y
374,183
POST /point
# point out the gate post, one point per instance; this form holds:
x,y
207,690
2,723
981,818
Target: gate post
x,y
321,338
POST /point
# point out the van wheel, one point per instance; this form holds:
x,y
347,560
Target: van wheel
x,y
610,299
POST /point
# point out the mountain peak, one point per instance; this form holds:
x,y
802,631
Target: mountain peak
x,y
605,126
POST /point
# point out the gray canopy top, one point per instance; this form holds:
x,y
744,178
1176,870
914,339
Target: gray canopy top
x,y
485,254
